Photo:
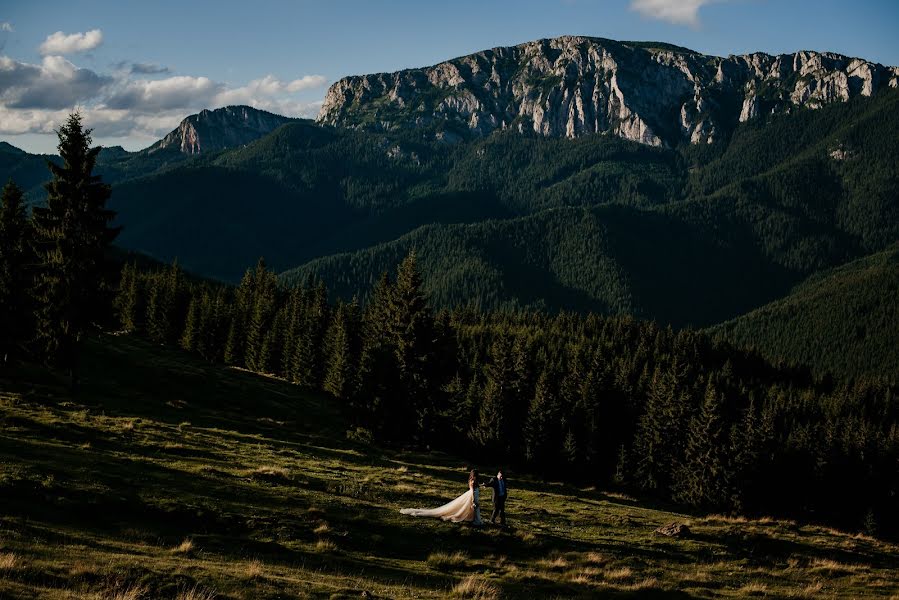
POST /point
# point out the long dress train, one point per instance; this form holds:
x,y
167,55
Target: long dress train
x,y
463,508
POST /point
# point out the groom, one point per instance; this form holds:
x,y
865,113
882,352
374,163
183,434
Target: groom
x,y
500,491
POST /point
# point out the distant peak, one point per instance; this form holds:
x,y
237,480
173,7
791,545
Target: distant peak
x,y
212,130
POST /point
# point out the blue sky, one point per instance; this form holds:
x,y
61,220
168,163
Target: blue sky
x,y
137,68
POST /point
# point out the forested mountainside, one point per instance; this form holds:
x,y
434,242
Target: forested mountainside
x,y
682,233
840,321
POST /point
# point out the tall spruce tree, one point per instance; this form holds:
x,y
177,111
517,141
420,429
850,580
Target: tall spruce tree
x,y
342,351
16,264
702,478
411,330
72,234
128,300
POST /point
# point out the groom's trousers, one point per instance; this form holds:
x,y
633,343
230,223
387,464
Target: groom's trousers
x,y
499,509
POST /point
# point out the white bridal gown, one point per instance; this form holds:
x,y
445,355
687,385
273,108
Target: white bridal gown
x,y
463,508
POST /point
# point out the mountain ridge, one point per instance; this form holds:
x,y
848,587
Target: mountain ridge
x,y
217,129
571,86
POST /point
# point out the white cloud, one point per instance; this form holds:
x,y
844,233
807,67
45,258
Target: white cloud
x,y
6,26
180,91
54,84
268,87
36,98
60,43
679,12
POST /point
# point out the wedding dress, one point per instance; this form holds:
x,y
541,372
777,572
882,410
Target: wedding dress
x,y
464,508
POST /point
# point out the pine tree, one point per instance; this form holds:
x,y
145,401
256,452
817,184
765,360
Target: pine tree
x,y
72,234
190,339
262,302
411,330
129,300
702,478
492,430
236,342
342,350
15,274
377,364
540,435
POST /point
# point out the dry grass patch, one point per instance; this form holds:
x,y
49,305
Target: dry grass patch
x,y
322,529
185,547
445,561
404,488
585,575
812,590
832,567
196,593
324,546
129,592
618,573
9,561
269,472
476,588
650,583
528,537
715,518
254,569
554,563
595,558
754,589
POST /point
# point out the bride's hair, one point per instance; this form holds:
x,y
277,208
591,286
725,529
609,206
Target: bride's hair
x,y
473,476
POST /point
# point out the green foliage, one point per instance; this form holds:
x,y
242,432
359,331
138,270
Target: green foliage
x,y
16,266
72,233
841,321
598,399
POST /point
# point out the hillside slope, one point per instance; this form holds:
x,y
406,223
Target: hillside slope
x,y
170,476
841,321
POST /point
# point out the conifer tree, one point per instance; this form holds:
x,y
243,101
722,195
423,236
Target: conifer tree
x,y
190,339
244,295
262,302
16,264
377,365
702,478
342,350
540,437
411,330
72,235
129,300
492,428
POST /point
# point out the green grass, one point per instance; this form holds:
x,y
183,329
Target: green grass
x,y
170,478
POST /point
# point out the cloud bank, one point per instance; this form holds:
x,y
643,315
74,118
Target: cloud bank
x,y
135,100
60,43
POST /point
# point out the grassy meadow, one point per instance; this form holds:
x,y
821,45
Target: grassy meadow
x,y
167,477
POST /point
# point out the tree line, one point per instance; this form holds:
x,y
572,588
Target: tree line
x,y
582,397
594,399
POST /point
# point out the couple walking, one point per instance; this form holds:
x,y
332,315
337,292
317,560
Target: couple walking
x,y
467,507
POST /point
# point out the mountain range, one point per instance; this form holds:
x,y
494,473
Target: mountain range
x,y
566,174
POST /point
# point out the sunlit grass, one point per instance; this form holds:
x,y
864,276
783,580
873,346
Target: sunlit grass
x,y
261,495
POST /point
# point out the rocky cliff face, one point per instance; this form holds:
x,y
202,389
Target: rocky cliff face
x,y
211,130
654,94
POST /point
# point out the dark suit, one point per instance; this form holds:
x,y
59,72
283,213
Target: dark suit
x,y
500,492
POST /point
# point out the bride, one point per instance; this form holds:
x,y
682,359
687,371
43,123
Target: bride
x,y
464,508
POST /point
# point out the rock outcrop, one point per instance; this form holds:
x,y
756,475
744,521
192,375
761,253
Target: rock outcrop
x,y
212,130
655,94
